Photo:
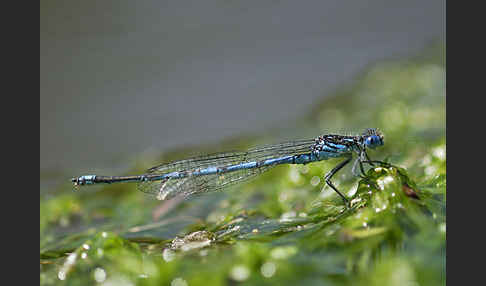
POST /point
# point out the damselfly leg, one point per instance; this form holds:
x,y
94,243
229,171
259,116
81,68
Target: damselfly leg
x,y
334,171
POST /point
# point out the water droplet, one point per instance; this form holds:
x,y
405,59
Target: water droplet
x,y
240,273
283,252
429,170
315,181
388,179
99,275
168,255
288,216
442,227
294,175
268,269
440,153
178,282
353,190
383,182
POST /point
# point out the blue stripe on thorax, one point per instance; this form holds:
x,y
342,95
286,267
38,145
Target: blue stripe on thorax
x,y
335,146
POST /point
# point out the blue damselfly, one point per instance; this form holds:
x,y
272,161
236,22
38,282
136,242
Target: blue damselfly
x,y
216,171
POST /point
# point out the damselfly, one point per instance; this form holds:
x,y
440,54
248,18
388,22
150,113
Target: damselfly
x,y
216,171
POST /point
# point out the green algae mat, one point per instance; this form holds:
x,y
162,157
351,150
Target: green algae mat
x,y
285,227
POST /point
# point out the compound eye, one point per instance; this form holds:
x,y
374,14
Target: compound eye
x,y
372,141
369,140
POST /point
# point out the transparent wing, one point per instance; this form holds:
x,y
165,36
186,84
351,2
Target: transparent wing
x,y
233,158
198,184
208,183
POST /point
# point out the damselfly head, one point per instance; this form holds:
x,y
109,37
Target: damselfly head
x,y
372,138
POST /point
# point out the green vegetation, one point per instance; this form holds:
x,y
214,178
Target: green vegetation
x,y
284,227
